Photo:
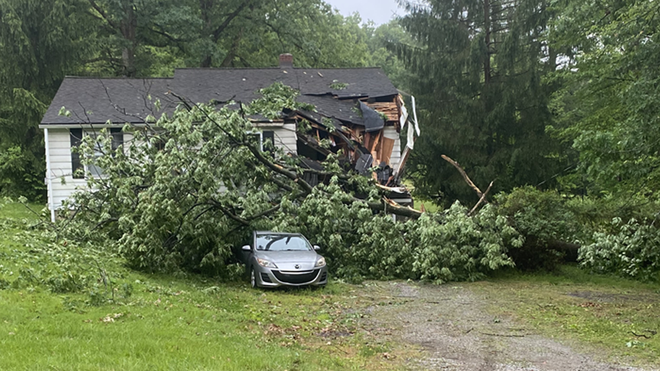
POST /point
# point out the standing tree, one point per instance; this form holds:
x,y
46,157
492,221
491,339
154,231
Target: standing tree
x,y
611,104
480,72
40,41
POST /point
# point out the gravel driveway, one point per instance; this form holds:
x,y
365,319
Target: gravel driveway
x,y
450,323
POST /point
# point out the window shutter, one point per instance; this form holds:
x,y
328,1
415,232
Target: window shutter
x,y
76,166
117,138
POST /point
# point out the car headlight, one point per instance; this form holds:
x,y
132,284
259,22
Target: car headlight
x,y
266,263
320,262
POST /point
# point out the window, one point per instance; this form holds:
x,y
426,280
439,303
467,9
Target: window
x,y
265,140
76,166
268,138
76,138
282,242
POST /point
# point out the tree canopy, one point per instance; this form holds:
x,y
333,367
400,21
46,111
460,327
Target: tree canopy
x,y
479,73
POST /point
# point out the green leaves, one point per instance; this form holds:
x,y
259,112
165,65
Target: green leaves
x,y
192,203
632,251
610,103
479,75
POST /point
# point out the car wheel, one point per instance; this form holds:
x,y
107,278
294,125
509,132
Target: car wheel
x,y
253,278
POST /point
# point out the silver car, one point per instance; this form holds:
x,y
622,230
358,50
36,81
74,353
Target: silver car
x,y
284,259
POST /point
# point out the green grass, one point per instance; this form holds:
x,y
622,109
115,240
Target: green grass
x,y
64,307
600,312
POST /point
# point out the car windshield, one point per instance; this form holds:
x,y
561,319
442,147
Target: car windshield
x,y
282,242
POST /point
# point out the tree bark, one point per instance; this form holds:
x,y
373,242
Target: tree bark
x,y
128,29
487,41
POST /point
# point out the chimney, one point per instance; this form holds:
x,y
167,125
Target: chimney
x,y
286,60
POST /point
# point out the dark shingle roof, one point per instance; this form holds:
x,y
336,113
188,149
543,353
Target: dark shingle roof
x,y
98,100
95,101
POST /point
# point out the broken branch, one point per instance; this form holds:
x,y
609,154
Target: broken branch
x,y
481,199
465,176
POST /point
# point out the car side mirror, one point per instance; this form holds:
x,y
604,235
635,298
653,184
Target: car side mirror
x,y
247,248
317,247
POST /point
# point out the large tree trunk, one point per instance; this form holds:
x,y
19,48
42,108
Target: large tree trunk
x,y
129,32
487,41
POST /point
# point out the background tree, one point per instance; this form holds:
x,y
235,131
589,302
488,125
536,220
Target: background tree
x,y
40,42
382,39
480,72
610,108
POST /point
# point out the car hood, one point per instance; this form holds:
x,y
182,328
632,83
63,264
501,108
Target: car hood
x,y
287,260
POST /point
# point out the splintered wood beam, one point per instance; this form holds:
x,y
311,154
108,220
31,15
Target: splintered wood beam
x,y
402,163
386,150
376,139
463,174
390,207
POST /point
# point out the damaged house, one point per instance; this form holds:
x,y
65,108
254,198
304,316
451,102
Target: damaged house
x,y
357,110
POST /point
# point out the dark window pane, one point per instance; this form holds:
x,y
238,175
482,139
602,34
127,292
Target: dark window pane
x,y
269,140
117,138
76,166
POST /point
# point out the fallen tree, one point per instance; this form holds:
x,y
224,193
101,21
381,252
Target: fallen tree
x,y
189,189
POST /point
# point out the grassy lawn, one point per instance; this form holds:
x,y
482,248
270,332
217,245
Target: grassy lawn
x,y
65,307
68,307
606,315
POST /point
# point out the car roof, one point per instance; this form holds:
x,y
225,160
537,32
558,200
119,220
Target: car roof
x,y
261,233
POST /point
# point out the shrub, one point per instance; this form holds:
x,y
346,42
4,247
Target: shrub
x,y
450,246
547,224
633,250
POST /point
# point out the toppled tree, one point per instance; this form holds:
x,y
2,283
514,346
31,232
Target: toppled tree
x,y
188,190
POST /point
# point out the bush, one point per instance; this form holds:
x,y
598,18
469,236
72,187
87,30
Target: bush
x,y
632,251
450,246
547,224
447,246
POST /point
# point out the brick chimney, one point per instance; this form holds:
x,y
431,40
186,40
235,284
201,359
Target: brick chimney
x,y
286,60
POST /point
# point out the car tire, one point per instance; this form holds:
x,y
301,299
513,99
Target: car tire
x,y
253,278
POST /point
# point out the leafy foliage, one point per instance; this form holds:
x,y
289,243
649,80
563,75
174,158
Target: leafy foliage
x,y
40,259
455,247
546,222
40,41
609,106
191,203
633,251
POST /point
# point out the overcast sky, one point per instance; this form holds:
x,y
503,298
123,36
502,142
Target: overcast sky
x,y
379,11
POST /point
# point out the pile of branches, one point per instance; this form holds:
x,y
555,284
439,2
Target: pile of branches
x,y
188,190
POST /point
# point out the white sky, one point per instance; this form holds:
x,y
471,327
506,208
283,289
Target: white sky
x,y
378,11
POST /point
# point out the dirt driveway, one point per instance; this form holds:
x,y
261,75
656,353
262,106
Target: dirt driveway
x,y
451,325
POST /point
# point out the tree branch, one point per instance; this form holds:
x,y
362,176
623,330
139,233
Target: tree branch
x,y
482,199
465,176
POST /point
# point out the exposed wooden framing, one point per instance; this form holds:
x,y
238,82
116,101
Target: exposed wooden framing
x,y
389,109
386,150
367,140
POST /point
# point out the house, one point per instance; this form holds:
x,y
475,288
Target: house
x,y
364,108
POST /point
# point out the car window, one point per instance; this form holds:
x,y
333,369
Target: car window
x,y
278,242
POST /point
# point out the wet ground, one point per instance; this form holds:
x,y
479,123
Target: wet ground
x,y
452,327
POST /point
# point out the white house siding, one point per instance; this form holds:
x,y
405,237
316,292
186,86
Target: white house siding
x,y
61,174
285,135
63,184
391,133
